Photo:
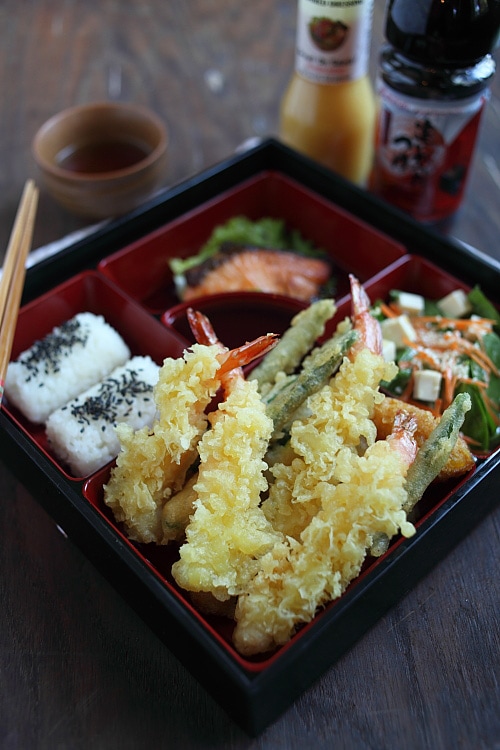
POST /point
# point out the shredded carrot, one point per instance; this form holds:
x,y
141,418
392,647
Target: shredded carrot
x,y
473,381
438,409
479,356
464,323
453,322
450,381
425,357
388,311
470,441
492,411
466,347
408,388
396,309
492,367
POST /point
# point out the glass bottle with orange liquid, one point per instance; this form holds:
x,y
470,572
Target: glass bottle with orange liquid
x,y
328,109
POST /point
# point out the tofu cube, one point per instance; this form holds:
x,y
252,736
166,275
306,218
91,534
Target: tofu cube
x,y
388,350
411,304
455,304
427,385
398,330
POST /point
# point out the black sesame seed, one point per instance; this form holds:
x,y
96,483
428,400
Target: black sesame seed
x,y
112,393
45,355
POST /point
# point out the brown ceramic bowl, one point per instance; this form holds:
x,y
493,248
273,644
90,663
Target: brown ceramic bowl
x,y
103,159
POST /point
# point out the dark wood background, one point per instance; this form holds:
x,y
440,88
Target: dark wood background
x,y
78,668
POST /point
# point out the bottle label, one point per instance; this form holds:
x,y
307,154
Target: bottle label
x,y
333,39
423,151
417,134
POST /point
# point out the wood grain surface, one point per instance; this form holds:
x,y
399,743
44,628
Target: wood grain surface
x,y
79,669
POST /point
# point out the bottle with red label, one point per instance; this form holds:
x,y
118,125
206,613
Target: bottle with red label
x,y
433,84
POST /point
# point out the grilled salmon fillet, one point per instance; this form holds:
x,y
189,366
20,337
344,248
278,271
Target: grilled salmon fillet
x,y
237,268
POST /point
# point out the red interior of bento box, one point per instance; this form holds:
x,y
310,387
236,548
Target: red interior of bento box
x,y
410,273
132,276
89,292
417,275
142,268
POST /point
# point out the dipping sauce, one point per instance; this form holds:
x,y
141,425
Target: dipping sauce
x,y
104,156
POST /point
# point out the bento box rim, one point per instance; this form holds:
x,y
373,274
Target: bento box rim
x,y
269,156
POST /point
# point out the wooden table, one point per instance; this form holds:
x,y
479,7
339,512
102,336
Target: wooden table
x,y
79,669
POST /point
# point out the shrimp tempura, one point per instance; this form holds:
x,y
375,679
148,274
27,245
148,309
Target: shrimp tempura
x,y
353,494
228,531
153,463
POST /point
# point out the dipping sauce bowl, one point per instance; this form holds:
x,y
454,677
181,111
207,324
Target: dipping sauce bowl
x,y
103,159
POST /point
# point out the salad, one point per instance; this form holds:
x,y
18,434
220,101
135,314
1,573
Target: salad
x,y
442,348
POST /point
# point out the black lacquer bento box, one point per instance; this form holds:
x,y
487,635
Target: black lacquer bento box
x,y
121,272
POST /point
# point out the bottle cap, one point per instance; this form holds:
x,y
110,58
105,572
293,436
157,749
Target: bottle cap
x,y
431,81
446,33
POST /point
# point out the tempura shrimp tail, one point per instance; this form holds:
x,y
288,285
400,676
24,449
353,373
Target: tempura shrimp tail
x,y
231,360
370,333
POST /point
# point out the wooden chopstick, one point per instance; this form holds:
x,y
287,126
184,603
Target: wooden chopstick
x,y
14,271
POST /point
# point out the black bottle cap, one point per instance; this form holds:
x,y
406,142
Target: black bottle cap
x,y
448,33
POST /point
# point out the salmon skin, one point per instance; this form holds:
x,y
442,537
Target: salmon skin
x,y
247,268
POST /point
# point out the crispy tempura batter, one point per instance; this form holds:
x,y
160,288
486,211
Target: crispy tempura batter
x,y
153,463
342,416
348,497
228,531
334,476
297,577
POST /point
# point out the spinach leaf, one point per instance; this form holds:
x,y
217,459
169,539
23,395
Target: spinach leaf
x,y
482,306
478,423
431,308
491,344
399,383
476,371
493,390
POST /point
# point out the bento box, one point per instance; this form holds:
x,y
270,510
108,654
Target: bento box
x,y
122,273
